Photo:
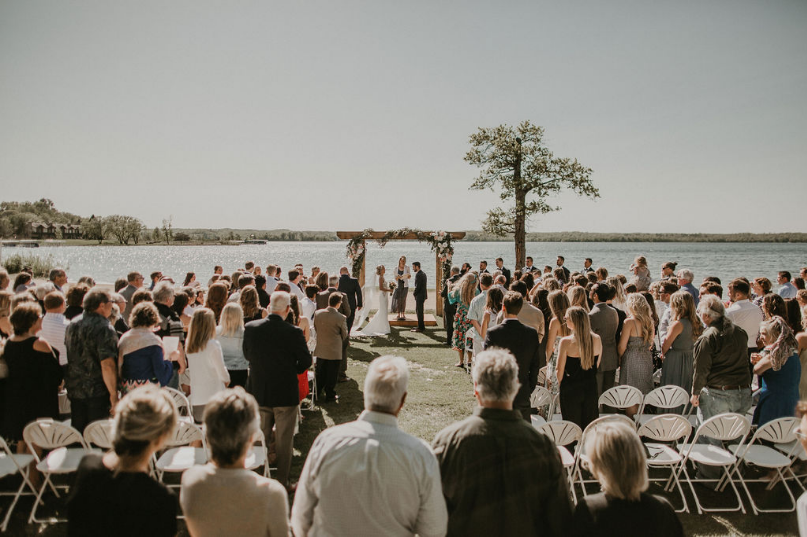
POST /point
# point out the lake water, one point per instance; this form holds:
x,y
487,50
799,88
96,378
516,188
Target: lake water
x,y
724,260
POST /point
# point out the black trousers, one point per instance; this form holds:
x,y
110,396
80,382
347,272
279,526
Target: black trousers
x,y
85,411
238,377
419,312
578,402
448,320
326,373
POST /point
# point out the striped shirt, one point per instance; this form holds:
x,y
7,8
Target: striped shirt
x,y
54,326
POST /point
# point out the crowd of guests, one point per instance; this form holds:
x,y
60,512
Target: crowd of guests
x,y
241,348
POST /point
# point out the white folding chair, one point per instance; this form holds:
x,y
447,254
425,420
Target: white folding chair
x,y
181,455
99,433
183,404
666,428
580,457
542,376
621,397
723,428
10,464
563,433
54,436
755,453
540,398
795,451
665,397
258,456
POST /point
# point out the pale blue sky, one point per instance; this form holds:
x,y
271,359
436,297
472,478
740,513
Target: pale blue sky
x,y
346,115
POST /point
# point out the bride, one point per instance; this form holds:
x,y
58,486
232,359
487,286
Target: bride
x,y
377,291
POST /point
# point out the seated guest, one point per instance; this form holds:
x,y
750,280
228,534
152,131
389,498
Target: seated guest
x,y
230,334
778,365
232,424
368,477
4,279
623,508
121,325
75,298
500,476
140,352
205,361
113,493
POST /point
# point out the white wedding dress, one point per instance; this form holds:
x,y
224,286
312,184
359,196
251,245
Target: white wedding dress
x,y
374,299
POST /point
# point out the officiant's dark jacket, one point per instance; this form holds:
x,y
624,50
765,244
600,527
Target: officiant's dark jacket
x,y
350,287
277,353
420,286
522,342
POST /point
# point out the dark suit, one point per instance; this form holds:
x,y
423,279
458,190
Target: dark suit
x,y
522,342
420,295
277,353
604,323
351,289
449,310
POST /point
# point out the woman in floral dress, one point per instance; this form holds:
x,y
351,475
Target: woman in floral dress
x,y
462,293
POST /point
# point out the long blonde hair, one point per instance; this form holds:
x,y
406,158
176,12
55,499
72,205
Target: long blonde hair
x,y
784,344
619,290
577,297
682,306
232,320
618,460
559,303
639,309
201,330
582,335
467,286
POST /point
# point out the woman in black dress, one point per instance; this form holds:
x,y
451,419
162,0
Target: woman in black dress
x,y
578,359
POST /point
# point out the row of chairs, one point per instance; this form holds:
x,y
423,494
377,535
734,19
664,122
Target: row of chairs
x,y
63,457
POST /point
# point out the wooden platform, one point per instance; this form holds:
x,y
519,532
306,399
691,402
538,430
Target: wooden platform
x,y
412,320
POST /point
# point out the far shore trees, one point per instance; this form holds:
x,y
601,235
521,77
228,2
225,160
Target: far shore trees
x,y
528,174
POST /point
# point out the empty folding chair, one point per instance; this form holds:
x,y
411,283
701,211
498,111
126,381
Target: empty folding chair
x,y
55,437
258,456
541,398
562,434
580,457
795,451
10,464
621,397
183,404
665,397
99,433
755,453
542,376
662,430
723,428
181,455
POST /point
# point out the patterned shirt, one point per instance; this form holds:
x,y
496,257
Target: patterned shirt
x,y
90,338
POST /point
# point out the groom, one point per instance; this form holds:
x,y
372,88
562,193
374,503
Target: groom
x,y
420,295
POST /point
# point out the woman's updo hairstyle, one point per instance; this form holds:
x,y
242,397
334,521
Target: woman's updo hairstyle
x,y
143,416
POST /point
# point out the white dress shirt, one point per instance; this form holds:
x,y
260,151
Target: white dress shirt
x,y
271,283
54,326
788,290
747,316
368,477
309,307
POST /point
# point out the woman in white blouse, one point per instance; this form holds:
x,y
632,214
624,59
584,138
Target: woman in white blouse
x,y
205,361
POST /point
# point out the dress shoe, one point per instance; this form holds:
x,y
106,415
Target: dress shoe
x,y
334,399
343,379
416,330
291,488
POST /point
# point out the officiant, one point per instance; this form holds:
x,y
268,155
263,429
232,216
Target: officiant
x,y
402,276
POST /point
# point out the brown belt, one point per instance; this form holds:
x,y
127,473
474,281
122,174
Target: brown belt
x,y
726,388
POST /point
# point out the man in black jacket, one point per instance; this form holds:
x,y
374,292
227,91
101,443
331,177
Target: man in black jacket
x,y
277,353
350,287
523,343
420,295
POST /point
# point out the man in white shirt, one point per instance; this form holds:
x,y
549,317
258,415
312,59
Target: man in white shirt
x,y
271,278
295,277
529,267
476,311
368,477
743,312
54,324
787,289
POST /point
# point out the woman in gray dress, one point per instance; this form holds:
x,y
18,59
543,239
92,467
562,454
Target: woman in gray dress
x,y
635,347
679,344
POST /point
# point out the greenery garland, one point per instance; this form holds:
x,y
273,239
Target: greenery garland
x,y
439,241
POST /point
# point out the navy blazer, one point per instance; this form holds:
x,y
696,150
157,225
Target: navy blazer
x,y
277,353
522,341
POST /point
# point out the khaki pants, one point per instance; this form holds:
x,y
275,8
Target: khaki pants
x,y
283,419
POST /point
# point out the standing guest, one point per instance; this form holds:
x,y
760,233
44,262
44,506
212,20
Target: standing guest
x,y
761,287
58,277
114,493
232,424
120,324
250,304
420,295
75,301
309,304
271,278
277,353
617,459
602,274
449,309
5,311
773,305
142,295
462,293
205,361
561,260
710,288
780,371
344,308
522,342
786,289
368,476
660,305
349,286
216,299
244,280
134,282
801,339
685,277
402,276
54,325
218,270
155,278
743,313
793,314
230,335
182,308
92,357
634,347
88,281
4,279
558,303
665,292
530,315
331,329
678,346
141,359
500,476
578,360
170,325
577,297
295,278
641,274
619,301
322,281
494,314
260,286
587,266
604,322
23,282
190,280
249,266
295,318
312,280
668,270
476,311
505,271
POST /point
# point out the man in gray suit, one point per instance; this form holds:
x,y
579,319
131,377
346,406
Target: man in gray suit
x,y
604,323
331,328
135,281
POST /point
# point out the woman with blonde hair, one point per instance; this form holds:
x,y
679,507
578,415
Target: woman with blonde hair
x,y
678,347
5,312
641,274
779,369
216,299
620,298
578,297
205,361
635,346
401,276
114,493
230,335
618,461
250,304
578,360
462,293
557,329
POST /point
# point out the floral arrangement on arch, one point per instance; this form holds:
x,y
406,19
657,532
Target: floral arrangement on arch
x,y
440,242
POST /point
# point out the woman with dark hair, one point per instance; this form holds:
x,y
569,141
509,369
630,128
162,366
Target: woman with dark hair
x,y
541,301
528,279
761,286
75,299
190,280
793,315
773,305
780,370
250,304
179,307
668,270
23,282
216,299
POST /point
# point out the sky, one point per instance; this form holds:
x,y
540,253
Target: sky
x,y
323,115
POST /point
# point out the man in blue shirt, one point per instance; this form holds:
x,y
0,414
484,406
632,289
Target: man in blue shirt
x,y
787,289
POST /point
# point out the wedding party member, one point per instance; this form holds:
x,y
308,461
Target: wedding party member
x,y
230,335
277,353
678,347
113,493
500,476
367,476
401,275
522,342
349,286
134,282
587,266
505,271
331,329
232,424
420,295
780,371
92,358
449,308
462,293
618,461
141,359
634,347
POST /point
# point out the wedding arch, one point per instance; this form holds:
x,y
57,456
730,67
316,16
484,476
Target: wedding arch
x,y
440,242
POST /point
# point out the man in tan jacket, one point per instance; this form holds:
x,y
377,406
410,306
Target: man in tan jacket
x,y
331,329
